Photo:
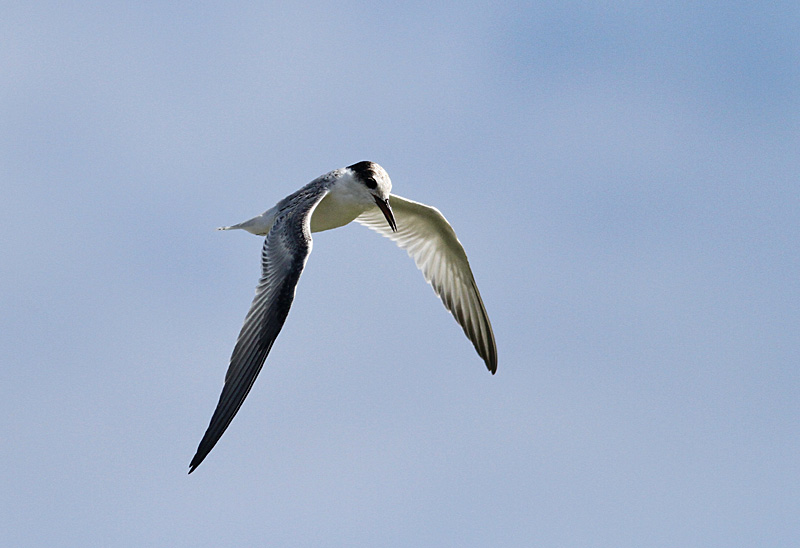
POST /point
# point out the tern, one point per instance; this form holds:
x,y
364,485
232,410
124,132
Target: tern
x,y
362,193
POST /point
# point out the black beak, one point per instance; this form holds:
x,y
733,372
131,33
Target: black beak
x,y
387,211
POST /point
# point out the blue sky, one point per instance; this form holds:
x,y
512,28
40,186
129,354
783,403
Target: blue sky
x,y
623,176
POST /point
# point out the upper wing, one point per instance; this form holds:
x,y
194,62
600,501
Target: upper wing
x,y
430,240
283,257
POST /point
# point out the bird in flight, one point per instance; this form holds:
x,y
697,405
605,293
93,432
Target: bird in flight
x,y
361,193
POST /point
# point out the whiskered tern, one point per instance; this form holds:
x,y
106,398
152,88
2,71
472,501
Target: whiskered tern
x,y
362,193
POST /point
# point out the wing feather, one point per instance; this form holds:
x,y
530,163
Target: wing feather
x,y
283,258
430,240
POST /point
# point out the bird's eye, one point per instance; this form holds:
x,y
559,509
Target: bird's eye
x,y
371,183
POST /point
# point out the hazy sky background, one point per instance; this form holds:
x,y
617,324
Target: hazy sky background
x,y
625,178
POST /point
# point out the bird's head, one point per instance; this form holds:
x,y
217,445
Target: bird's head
x,y
377,183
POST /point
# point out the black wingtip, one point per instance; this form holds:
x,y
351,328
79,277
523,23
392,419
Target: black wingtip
x,y
197,460
199,456
491,362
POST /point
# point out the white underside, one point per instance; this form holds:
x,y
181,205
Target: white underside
x,y
332,212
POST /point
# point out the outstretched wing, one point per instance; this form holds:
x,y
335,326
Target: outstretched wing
x,y
430,240
283,257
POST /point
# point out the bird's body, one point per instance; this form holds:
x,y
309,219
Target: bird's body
x,y
359,192
343,201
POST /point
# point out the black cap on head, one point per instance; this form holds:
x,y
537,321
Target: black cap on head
x,y
366,172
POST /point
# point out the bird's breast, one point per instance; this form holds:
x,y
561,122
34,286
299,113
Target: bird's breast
x,y
333,213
